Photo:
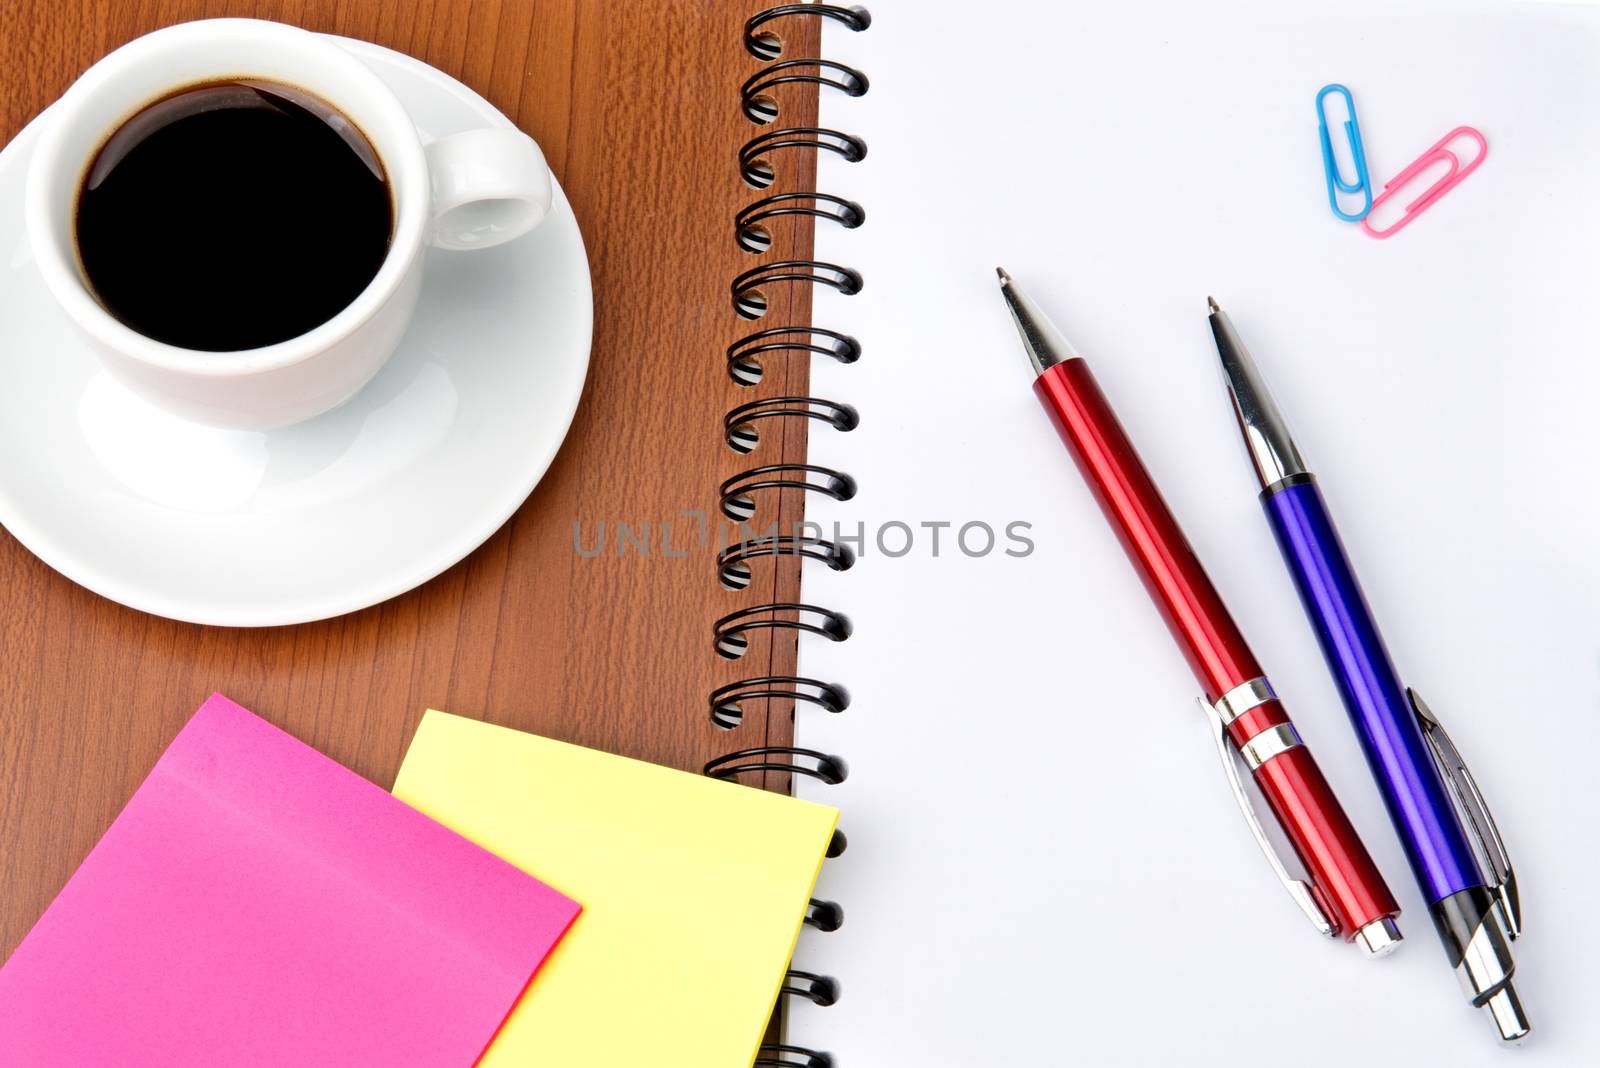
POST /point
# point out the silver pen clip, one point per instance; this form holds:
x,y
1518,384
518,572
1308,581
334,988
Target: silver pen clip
x,y
1298,889
1465,788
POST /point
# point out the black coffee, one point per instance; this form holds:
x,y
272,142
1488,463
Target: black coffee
x,y
233,215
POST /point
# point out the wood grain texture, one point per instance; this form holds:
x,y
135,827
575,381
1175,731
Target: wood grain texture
x,y
636,107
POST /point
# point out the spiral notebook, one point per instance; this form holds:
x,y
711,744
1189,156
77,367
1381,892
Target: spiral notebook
x,y
1044,862
637,113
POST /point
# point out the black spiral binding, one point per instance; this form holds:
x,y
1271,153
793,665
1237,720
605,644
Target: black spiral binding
x,y
728,713
744,355
823,767
737,504
767,45
821,990
739,425
728,633
733,563
759,107
759,164
750,302
752,236
776,1056
759,171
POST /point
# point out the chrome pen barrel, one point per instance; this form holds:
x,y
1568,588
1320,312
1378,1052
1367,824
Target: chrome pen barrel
x,y
1473,929
1381,937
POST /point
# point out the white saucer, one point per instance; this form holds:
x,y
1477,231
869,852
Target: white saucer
x,y
257,529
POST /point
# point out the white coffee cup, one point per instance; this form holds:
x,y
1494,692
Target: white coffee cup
x,y
467,191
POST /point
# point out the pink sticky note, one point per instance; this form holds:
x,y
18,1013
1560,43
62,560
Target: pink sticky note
x,y
257,904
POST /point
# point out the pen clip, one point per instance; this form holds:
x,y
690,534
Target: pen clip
x,y
1465,788
1299,889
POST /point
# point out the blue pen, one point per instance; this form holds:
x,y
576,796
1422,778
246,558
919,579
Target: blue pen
x,y
1424,781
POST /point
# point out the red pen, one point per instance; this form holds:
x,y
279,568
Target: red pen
x,y
1346,895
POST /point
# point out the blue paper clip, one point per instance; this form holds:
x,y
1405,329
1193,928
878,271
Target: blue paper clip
x,y
1358,155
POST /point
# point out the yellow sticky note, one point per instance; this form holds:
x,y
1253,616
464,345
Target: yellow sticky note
x,y
693,892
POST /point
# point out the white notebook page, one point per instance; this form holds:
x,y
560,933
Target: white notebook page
x,y
1045,865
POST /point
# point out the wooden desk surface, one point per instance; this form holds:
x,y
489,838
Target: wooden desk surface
x,y
636,108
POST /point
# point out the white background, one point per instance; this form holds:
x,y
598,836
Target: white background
x,y
1045,866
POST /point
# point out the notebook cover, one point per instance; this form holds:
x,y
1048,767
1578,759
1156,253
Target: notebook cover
x,y
637,111
693,892
259,904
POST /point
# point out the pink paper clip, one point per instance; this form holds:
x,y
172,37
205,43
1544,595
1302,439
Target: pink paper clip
x,y
1446,182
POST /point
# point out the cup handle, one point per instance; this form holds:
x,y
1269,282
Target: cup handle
x,y
489,186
